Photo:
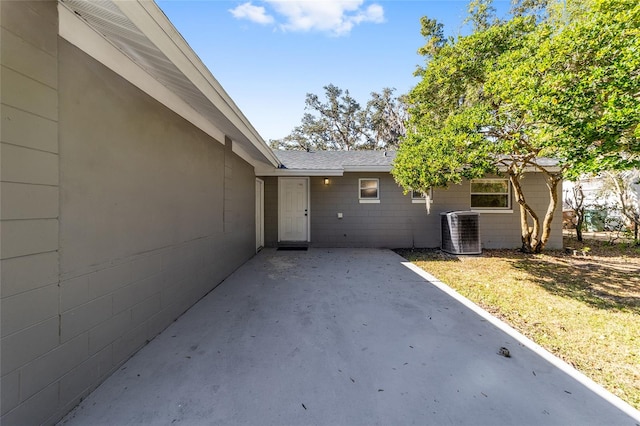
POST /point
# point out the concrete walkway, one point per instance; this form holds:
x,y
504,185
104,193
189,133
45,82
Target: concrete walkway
x,y
338,337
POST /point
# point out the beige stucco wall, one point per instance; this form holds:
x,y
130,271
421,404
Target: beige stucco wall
x,y
397,222
117,214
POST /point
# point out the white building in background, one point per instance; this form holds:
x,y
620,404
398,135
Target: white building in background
x,y
602,202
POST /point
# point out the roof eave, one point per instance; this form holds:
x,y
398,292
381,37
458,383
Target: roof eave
x,y
298,172
155,26
161,31
369,169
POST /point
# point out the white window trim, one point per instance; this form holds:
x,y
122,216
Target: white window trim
x,y
422,200
368,200
508,209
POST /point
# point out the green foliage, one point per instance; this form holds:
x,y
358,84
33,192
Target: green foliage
x,y
591,86
567,87
481,14
536,8
340,123
386,115
557,79
433,32
578,80
459,129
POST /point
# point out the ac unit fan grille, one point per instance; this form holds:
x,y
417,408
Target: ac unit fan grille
x,y
461,233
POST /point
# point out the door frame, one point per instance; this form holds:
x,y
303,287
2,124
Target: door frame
x,y
280,198
259,214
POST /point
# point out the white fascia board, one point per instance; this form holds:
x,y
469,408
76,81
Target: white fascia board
x,y
371,169
77,32
298,172
154,24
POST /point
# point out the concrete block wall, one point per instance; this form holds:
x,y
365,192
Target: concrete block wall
x,y
502,230
396,221
29,209
117,216
270,211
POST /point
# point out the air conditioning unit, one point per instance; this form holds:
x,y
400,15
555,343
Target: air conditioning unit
x,y
461,232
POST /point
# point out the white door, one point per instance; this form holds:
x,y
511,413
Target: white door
x,y
294,209
259,213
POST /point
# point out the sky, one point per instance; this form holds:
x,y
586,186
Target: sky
x,y
268,54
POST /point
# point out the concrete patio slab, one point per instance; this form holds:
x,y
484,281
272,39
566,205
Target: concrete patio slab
x,y
339,337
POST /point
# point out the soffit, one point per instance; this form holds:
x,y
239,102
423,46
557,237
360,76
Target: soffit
x,y
192,82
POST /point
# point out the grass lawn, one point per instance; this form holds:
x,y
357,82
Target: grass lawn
x,y
583,308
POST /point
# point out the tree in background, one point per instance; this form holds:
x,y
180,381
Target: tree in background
x,y
386,117
575,200
625,187
556,80
341,124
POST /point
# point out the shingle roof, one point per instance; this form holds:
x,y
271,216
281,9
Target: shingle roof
x,y
547,162
344,161
335,160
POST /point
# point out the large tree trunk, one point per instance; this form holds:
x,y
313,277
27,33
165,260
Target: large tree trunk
x,y
529,235
552,181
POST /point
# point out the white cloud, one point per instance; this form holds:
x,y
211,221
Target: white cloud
x,y
252,13
374,13
336,17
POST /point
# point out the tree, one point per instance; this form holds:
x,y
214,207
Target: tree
x,y
575,200
340,123
625,186
537,8
494,101
459,129
583,84
580,85
386,116
312,134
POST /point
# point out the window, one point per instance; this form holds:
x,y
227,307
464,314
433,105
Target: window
x,y
490,194
417,195
420,197
369,190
